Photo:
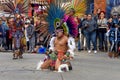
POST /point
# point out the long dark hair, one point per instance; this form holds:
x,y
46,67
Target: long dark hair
x,y
100,14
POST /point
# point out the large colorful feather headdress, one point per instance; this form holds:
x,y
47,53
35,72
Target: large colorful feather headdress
x,y
55,14
78,5
57,10
18,6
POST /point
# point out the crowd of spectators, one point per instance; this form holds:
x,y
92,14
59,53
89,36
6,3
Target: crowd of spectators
x,y
96,29
20,31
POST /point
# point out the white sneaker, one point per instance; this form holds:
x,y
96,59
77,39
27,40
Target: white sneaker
x,y
95,52
89,51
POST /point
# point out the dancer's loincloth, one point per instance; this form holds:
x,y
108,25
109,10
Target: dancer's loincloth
x,y
53,56
58,55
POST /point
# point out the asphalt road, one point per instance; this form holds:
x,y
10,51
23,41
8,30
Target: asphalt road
x,y
85,67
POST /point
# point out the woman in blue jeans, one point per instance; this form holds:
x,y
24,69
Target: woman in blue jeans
x,y
90,27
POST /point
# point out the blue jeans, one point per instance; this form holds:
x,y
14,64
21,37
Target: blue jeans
x,y
91,37
102,40
79,45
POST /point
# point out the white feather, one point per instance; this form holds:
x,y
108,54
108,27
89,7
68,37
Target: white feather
x,y
63,66
39,65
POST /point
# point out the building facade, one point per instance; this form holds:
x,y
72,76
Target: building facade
x,y
99,4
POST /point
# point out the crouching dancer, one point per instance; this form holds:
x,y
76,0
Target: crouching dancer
x,y
59,51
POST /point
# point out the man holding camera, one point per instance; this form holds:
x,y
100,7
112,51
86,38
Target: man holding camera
x,y
90,27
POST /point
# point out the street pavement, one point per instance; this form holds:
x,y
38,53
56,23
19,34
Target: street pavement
x,y
85,67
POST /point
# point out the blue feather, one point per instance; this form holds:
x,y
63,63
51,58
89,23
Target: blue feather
x,y
54,12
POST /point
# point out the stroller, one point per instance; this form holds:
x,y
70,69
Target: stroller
x,y
114,39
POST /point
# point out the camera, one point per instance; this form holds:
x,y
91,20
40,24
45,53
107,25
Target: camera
x,y
86,25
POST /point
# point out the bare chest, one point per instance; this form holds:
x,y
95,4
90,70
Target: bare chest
x,y
60,42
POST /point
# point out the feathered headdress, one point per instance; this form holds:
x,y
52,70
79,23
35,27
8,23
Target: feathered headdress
x,y
78,5
56,13
18,6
